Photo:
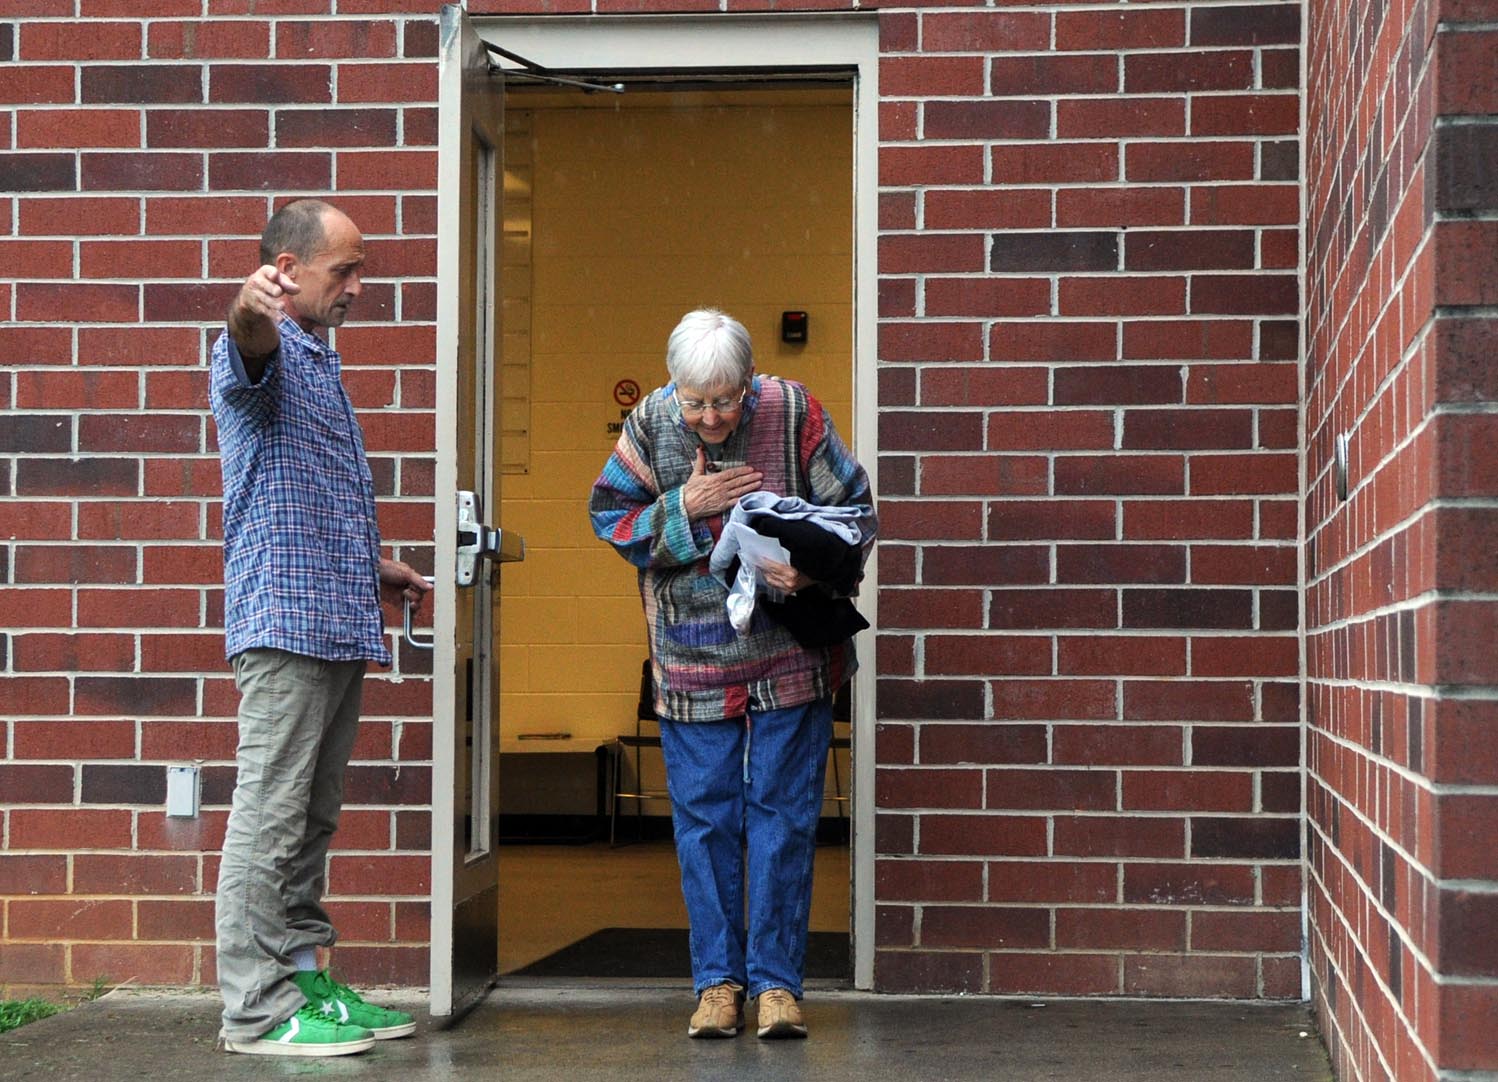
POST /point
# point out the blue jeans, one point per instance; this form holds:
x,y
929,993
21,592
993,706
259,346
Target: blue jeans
x,y
766,797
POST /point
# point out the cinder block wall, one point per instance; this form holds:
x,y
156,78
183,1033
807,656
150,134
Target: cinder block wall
x,y
1088,698
1402,779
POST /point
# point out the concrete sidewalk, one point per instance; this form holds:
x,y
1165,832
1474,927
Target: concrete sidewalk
x,y
534,1031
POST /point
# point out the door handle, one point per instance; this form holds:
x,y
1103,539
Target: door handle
x,y
477,541
411,639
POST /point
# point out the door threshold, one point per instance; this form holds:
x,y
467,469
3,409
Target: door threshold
x,y
614,984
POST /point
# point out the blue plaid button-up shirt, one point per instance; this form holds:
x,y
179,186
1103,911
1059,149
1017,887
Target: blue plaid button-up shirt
x,y
301,543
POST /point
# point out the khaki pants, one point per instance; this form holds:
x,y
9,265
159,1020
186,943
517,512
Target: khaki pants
x,y
298,717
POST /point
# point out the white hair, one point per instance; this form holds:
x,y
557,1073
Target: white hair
x,y
709,349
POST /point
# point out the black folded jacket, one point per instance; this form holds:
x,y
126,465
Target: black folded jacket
x,y
812,617
819,553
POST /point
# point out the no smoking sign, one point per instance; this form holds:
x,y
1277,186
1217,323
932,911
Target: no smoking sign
x,y
627,394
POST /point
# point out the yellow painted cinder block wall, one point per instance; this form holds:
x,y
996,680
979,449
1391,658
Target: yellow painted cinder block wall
x,y
642,208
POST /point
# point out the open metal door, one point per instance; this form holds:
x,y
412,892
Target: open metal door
x,y
465,692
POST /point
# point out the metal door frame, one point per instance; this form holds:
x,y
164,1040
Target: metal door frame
x,y
775,44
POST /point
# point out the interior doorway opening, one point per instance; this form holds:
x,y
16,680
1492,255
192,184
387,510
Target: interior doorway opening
x,y
622,212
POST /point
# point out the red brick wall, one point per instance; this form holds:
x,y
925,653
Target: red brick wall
x,y
1088,742
141,159
1088,738
1402,780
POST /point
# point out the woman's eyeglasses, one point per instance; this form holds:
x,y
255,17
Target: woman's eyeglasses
x,y
695,407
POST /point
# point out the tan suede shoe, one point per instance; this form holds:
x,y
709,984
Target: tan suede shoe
x,y
780,1015
720,1012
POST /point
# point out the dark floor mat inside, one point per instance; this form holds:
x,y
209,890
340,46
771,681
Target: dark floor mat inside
x,y
663,952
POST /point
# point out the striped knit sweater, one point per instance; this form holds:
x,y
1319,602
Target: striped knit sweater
x,y
703,670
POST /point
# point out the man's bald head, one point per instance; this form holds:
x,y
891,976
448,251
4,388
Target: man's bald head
x,y
320,249
299,228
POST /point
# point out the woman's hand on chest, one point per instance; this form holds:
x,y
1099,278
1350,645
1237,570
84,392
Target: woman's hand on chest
x,y
706,494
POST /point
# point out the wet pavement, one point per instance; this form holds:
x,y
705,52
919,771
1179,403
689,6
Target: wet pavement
x,y
581,1031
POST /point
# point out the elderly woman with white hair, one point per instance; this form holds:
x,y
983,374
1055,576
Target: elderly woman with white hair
x,y
745,715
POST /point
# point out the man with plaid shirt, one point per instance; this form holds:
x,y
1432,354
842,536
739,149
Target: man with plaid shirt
x,y
303,577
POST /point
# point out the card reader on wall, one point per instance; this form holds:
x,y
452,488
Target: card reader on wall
x,y
793,326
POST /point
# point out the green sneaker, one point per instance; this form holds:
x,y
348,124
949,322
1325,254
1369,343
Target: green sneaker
x,y
347,1007
309,1032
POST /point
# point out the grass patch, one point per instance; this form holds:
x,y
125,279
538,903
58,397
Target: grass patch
x,y
17,1012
